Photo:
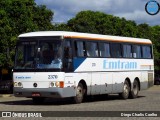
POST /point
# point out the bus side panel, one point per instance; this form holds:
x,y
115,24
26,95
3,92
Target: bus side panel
x,y
118,80
72,80
97,83
120,77
106,82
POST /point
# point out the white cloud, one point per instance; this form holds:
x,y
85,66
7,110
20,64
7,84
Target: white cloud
x,y
129,9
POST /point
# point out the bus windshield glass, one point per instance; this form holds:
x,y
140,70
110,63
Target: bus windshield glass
x,y
39,54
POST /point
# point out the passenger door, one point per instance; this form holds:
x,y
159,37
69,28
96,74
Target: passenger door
x,y
68,56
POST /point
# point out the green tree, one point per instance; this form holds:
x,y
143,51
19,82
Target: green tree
x,y
92,22
61,27
101,23
155,32
144,31
20,16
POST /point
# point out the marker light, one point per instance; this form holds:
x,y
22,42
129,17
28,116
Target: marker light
x,y
17,84
60,84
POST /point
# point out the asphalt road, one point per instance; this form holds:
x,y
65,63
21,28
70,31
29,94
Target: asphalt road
x,y
148,100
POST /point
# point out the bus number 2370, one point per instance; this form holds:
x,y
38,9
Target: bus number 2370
x,y
52,76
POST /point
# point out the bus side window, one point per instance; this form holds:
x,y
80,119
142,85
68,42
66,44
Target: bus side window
x,y
104,50
127,51
146,51
116,51
92,49
80,49
137,51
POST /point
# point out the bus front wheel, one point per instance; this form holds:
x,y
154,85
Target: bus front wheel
x,y
126,90
79,94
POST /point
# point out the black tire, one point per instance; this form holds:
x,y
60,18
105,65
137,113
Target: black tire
x,y
134,93
10,91
126,90
38,100
79,94
157,82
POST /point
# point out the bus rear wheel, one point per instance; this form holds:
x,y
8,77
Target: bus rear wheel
x,y
126,90
79,94
134,93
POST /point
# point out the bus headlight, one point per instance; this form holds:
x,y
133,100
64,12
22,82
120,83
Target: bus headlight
x,y
59,84
17,84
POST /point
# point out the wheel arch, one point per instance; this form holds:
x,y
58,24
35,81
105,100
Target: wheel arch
x,y
82,81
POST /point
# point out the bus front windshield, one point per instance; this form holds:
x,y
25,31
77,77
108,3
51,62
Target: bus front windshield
x,y
39,55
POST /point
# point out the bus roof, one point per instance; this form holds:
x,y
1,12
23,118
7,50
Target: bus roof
x,y
77,35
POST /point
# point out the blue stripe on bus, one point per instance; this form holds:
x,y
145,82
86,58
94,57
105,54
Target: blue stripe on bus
x,y
77,62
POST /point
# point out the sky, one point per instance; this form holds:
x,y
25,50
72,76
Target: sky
x,y
134,10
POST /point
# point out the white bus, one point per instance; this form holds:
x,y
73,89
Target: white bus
x,y
61,64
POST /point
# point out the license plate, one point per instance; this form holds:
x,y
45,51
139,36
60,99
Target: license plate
x,y
36,94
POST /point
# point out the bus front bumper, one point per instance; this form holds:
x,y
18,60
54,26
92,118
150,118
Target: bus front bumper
x,y
44,92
